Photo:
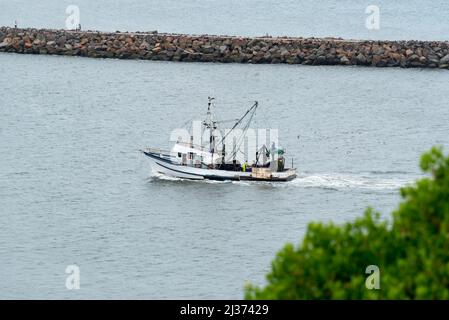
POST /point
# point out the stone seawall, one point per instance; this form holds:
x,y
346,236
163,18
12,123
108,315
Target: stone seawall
x,y
206,48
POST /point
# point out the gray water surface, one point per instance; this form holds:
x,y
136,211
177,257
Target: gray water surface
x,y
75,190
399,19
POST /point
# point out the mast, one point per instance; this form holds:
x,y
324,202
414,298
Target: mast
x,y
212,125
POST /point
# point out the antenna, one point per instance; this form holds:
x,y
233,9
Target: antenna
x,y
210,102
211,123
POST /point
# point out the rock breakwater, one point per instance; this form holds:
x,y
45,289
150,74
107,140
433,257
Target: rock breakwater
x,y
226,49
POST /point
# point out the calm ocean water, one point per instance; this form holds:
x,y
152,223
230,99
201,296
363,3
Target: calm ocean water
x,y
75,190
399,19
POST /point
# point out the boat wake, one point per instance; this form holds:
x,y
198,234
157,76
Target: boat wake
x,y
163,177
323,181
351,181
160,176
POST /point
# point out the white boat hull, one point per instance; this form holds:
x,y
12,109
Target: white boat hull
x,y
163,166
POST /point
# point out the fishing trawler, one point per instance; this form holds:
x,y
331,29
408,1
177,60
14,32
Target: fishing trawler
x,y
188,160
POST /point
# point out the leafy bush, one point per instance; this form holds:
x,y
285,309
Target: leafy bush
x,y
412,251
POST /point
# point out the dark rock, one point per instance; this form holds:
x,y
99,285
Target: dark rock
x,y
172,47
344,60
5,44
320,60
445,59
223,49
361,58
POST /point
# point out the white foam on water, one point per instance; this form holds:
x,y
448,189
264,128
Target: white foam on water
x,y
323,180
350,181
161,176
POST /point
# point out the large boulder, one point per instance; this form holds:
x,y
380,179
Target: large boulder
x,y
445,59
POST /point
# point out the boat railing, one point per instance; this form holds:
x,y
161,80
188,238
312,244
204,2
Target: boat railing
x,y
194,146
159,151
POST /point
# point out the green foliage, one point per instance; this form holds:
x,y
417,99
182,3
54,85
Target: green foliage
x,y
412,252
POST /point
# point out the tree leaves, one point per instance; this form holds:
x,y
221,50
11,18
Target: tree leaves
x,y
412,253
